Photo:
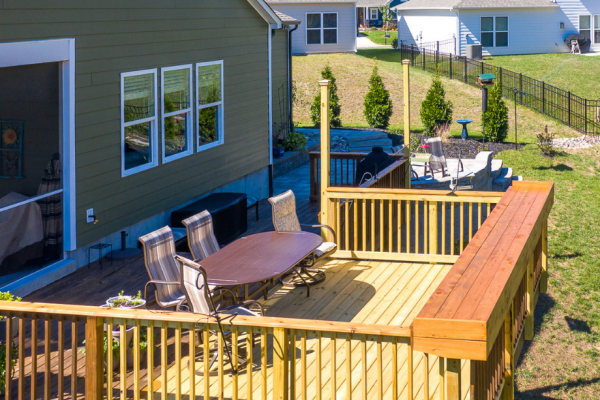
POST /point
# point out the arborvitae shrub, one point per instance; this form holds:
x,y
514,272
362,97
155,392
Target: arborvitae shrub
x,y
378,105
335,109
496,117
435,109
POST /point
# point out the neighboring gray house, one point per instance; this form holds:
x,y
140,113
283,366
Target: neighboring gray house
x,y
368,13
501,26
325,26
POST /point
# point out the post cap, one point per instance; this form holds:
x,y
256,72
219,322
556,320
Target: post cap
x,y
325,82
405,62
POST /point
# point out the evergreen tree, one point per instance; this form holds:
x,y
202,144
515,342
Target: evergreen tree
x,y
335,109
435,109
378,105
496,117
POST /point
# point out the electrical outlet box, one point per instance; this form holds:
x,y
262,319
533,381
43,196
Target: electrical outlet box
x,y
90,215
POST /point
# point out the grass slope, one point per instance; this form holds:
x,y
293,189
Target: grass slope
x,y
562,360
352,72
574,73
377,37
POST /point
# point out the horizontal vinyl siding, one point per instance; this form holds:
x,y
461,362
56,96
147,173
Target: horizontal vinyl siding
x,y
530,31
280,78
346,26
435,25
114,36
572,9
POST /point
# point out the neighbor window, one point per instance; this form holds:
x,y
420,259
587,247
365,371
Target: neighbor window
x,y
139,147
177,117
585,26
321,28
494,31
209,81
597,29
374,13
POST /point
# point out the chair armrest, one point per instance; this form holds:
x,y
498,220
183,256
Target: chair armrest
x,y
321,226
246,303
155,283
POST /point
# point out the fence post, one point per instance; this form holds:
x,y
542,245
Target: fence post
x,y
501,78
466,70
412,55
94,358
543,97
569,108
325,163
406,73
585,116
521,88
424,60
280,364
450,67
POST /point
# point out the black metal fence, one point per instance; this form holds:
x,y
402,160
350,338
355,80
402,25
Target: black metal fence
x,y
578,113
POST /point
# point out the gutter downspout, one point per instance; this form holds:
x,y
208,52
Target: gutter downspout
x,y
270,85
290,105
457,49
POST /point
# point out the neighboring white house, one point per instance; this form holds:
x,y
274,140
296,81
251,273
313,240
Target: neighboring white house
x,y
325,26
501,26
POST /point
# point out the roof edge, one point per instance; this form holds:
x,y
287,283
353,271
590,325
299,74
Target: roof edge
x,y
267,13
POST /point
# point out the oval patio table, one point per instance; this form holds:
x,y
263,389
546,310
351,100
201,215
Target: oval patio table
x,y
259,258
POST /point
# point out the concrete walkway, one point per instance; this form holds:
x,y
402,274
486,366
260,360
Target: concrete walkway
x,y
363,42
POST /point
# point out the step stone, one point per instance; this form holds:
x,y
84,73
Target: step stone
x,y
496,168
349,135
504,181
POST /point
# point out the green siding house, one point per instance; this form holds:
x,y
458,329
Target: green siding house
x,y
114,113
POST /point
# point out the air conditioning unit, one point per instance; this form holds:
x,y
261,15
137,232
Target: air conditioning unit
x,y
474,51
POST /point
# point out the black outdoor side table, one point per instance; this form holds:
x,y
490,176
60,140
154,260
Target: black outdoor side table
x,y
100,247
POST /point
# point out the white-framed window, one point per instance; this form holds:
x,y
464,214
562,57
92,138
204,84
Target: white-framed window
x,y
139,137
597,29
321,28
209,97
494,31
585,26
176,112
374,13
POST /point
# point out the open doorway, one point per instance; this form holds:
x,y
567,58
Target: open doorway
x,y
31,169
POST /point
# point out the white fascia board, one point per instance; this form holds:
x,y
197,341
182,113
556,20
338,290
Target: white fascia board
x,y
267,13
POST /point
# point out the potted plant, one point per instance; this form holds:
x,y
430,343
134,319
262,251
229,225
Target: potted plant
x,y
124,301
6,296
294,141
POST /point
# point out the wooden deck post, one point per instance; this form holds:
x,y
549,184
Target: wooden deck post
x,y
280,364
508,392
530,299
94,358
544,277
325,161
406,74
453,378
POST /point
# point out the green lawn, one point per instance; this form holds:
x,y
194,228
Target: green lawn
x,y
562,360
377,36
575,73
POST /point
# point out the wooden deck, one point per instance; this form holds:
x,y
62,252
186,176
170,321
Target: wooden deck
x,y
379,293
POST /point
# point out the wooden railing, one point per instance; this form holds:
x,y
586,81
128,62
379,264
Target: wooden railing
x,y
343,172
406,225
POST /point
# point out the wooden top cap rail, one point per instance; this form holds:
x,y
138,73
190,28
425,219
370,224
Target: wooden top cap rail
x,y
28,310
385,172
464,315
413,194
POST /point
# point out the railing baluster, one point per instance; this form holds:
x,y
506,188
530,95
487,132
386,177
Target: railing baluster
x,y
443,228
206,365
410,372
338,232
164,361
249,383
390,223
372,225
318,366
123,360
292,354
263,362
346,226
47,362
425,227
399,226
136,360
417,223
379,369
395,374
332,365
408,235
109,360
442,377
61,359
234,362
355,203
479,216
150,359
21,341
364,225
381,226
34,360
363,351
452,228
303,364
426,376
470,221
220,365
73,359
462,227
348,367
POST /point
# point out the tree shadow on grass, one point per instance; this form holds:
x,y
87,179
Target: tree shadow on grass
x,y
544,305
557,168
546,392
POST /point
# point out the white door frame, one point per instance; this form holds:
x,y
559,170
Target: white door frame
x,y
61,51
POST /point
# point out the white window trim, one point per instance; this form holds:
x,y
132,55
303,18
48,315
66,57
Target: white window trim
x,y
220,109
494,31
371,13
579,22
322,28
189,111
154,128
593,28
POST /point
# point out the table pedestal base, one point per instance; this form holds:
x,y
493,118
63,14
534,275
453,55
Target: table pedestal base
x,y
303,276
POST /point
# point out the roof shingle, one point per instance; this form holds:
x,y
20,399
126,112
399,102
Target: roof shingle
x,y
464,4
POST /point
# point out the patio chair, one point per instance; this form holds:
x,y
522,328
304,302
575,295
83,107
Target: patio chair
x,y
163,269
437,161
201,236
199,301
285,219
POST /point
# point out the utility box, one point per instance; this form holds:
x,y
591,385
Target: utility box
x,y
474,51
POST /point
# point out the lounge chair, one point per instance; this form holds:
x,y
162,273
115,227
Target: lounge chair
x,y
285,219
437,161
199,301
163,269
